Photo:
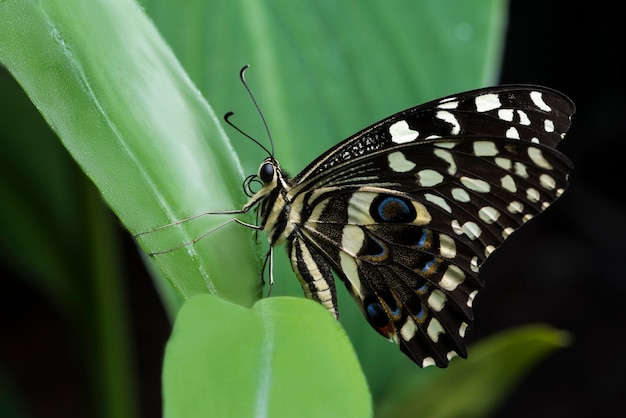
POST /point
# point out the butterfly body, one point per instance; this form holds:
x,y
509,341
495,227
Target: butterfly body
x,y
406,211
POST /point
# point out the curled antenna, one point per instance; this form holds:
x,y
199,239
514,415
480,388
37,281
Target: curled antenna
x,y
242,76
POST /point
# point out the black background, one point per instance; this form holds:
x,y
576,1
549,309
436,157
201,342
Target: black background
x,y
567,264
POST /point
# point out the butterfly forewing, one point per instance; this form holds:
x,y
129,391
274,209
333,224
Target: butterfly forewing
x,y
530,113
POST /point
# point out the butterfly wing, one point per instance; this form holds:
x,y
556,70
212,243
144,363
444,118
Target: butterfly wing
x,y
406,211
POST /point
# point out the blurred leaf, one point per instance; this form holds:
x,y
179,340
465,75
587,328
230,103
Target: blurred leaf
x,y
227,361
60,237
478,384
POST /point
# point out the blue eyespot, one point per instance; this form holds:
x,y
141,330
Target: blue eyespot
x,y
431,265
421,314
424,240
392,209
394,309
376,314
374,250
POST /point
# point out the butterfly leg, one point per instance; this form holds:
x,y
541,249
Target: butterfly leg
x,y
268,263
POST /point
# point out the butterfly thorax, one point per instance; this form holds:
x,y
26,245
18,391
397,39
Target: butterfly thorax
x,y
277,220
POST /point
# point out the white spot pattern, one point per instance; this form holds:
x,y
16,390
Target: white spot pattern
x,y
408,329
452,278
439,201
447,157
536,155
451,119
399,163
489,214
487,102
477,185
429,178
434,329
537,98
401,133
485,149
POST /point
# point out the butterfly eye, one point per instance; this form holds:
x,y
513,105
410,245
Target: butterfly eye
x,y
266,172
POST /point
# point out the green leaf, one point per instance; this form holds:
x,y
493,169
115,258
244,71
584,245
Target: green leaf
x,y
223,360
478,385
111,88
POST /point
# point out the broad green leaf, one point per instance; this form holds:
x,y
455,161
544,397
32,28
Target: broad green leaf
x,y
478,385
223,360
112,90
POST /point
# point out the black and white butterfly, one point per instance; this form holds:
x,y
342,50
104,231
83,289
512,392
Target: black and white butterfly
x,y
406,211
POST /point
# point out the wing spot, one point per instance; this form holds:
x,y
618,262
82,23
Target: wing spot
x,y
447,247
489,214
486,102
451,119
512,133
537,98
506,115
463,327
399,163
520,169
508,183
474,264
502,162
532,194
437,300
548,125
401,133
523,118
408,329
449,103
460,195
536,155
429,178
470,298
485,149
515,207
438,201
434,329
452,278
477,185
471,230
428,361
547,181
447,157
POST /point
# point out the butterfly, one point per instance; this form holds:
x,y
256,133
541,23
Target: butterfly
x,y
406,211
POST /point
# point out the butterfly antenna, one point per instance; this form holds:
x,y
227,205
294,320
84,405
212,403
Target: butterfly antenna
x,y
242,76
227,120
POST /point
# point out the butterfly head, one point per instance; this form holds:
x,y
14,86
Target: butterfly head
x,y
271,180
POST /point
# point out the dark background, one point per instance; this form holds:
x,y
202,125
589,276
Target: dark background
x,y
566,265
